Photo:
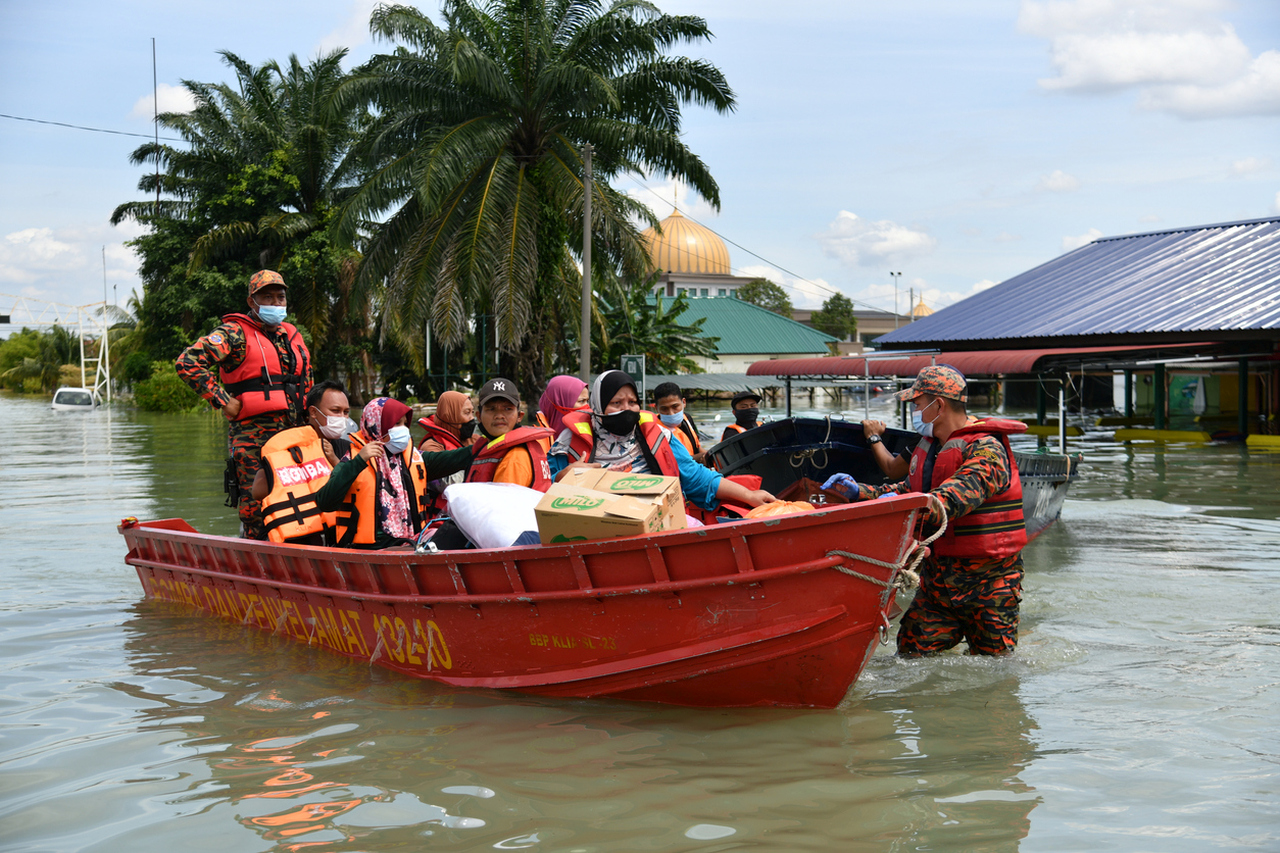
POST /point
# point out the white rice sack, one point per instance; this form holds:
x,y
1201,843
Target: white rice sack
x,y
492,515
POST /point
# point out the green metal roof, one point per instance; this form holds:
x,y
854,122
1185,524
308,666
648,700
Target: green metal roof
x,y
746,328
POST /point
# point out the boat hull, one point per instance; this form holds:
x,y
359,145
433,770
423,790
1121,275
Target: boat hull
x,y
738,614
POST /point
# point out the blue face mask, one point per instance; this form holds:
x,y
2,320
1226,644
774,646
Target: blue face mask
x,y
672,420
398,439
918,422
272,315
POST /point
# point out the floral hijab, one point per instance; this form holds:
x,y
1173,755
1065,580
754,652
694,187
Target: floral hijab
x,y
393,499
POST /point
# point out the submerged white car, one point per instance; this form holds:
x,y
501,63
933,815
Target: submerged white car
x,y
68,399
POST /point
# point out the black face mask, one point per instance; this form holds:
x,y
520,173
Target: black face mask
x,y
466,430
621,423
746,417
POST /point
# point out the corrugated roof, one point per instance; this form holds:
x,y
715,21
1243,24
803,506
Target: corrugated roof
x,y
746,328
1210,279
976,363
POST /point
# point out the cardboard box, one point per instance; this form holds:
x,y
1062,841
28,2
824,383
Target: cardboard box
x,y
592,503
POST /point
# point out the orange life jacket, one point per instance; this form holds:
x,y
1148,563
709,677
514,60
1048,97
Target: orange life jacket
x,y
736,428
259,382
298,471
535,440
357,520
997,527
582,442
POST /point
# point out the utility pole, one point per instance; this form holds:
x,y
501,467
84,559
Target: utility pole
x,y
155,120
584,364
895,277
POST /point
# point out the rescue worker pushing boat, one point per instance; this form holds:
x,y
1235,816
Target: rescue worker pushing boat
x,y
255,367
971,584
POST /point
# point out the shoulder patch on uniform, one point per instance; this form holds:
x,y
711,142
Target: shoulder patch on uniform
x,y
216,338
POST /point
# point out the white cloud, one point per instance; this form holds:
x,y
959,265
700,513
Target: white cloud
x,y
1059,182
172,99
659,197
1249,165
1275,205
354,31
863,242
1070,243
1006,237
1178,54
65,265
985,284
803,294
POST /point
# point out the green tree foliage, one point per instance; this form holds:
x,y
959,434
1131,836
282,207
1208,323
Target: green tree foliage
x,y
637,322
836,317
767,295
165,391
475,158
31,361
255,186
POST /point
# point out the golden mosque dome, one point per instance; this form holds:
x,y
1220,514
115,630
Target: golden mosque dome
x,y
684,246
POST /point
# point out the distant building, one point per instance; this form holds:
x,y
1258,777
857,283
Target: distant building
x,y
749,333
871,326
690,257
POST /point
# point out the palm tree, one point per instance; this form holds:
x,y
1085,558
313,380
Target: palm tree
x,y
257,184
476,157
637,322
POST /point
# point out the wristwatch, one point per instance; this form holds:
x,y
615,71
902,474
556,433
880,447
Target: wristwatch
x,y
873,439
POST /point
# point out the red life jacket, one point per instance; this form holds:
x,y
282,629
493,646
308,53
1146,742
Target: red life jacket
x,y
536,440
440,433
582,442
995,529
259,382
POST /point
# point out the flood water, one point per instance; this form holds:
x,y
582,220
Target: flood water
x,y
1138,713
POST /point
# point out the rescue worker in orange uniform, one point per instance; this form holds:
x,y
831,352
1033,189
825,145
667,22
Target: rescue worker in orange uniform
x,y
296,464
670,404
508,452
971,584
746,414
255,367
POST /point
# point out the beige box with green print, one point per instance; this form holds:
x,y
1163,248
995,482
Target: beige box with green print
x,y
592,503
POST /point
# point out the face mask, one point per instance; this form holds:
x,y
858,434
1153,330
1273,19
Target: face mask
x,y
746,417
398,439
621,423
334,426
272,315
672,420
466,430
918,422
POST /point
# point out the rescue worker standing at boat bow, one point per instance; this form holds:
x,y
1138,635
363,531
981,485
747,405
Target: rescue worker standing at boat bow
x,y
971,584
255,367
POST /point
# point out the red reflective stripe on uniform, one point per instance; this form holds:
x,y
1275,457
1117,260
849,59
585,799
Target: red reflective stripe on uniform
x,y
997,527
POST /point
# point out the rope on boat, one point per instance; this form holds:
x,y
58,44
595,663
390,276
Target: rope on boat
x,y
798,458
904,575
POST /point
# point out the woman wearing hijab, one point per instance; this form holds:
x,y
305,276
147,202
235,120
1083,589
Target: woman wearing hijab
x,y
379,491
564,394
452,426
614,433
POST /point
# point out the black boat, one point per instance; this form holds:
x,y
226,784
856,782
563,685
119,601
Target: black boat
x,y
782,452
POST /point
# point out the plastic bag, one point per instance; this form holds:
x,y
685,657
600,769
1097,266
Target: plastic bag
x,y
779,508
493,515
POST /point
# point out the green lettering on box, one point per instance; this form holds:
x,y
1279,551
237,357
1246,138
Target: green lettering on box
x,y
579,503
635,484
560,537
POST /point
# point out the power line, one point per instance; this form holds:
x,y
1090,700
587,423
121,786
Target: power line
x,y
833,291
93,129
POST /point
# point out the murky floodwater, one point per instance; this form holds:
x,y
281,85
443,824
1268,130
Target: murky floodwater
x,y
1137,715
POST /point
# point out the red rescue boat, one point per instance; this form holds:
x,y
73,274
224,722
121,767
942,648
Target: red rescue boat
x,y
781,611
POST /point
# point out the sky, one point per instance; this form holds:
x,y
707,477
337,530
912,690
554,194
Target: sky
x,y
956,142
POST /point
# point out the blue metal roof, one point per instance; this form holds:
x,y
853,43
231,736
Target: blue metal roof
x,y
1202,280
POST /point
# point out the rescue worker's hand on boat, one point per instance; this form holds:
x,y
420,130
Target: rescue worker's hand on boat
x,y
842,484
737,493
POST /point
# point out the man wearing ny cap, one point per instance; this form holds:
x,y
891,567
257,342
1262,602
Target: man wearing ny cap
x,y
971,583
508,452
256,369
